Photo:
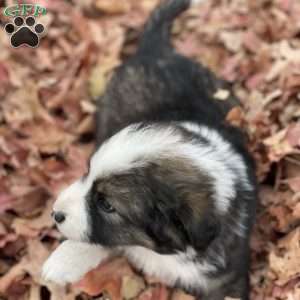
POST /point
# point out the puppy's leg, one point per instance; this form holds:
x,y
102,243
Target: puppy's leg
x,y
237,289
71,260
215,295
240,288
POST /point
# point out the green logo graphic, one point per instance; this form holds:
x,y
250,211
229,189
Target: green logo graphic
x,y
24,10
24,30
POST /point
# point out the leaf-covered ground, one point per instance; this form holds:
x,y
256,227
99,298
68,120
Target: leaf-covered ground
x,y
46,131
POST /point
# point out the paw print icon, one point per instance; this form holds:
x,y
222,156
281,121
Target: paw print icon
x,y
24,32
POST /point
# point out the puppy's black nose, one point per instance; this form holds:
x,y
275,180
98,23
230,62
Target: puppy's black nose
x,y
59,217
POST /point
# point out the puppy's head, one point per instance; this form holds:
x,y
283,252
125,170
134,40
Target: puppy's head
x,y
144,188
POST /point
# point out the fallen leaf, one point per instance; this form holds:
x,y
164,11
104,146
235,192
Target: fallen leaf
x,y
236,116
180,295
5,202
112,6
131,287
294,184
54,141
154,293
107,277
7,238
232,40
293,135
284,259
100,76
278,145
33,227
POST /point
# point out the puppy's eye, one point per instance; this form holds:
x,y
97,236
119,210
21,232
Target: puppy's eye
x,y
104,204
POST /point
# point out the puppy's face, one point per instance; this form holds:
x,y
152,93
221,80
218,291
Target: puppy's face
x,y
142,189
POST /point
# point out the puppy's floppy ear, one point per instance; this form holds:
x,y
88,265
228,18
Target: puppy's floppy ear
x,y
166,234
174,230
182,207
200,231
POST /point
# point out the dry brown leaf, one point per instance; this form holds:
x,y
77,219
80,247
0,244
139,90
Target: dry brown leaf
x,y
288,53
252,42
284,259
284,217
7,238
180,295
131,287
232,40
3,230
30,263
296,211
113,6
278,145
276,70
107,277
47,138
32,228
294,184
24,105
5,202
272,96
31,203
293,135
236,116
100,76
155,293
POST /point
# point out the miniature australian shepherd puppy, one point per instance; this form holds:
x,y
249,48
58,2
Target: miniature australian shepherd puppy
x,y
171,185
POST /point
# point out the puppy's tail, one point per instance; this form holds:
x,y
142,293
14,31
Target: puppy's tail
x,y
156,37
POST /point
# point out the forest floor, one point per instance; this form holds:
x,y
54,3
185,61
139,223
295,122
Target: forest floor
x,y
46,131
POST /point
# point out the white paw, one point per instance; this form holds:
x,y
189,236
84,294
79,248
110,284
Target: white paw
x,y
62,269
71,261
57,271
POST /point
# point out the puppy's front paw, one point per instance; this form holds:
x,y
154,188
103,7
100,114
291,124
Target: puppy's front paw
x,y
71,260
61,269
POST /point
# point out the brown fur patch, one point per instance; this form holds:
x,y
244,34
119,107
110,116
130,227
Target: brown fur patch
x,y
167,193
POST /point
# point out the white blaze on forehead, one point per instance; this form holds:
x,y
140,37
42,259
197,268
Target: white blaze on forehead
x,y
133,147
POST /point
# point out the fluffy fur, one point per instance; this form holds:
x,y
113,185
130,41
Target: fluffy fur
x,y
171,185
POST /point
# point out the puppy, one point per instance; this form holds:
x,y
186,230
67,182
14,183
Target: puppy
x,y
171,185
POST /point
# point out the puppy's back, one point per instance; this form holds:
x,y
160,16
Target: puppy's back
x,y
158,84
